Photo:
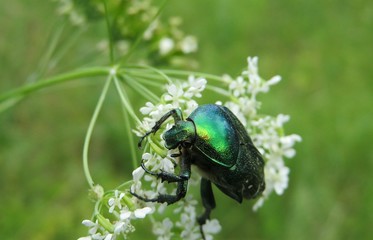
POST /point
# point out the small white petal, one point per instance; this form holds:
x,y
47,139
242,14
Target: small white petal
x,y
109,237
141,213
259,203
274,80
138,173
125,214
88,223
289,153
85,238
118,227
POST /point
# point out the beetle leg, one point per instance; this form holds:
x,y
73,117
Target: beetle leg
x,y
167,198
175,113
208,202
181,179
165,176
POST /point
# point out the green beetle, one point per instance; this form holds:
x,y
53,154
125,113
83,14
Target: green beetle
x,y
214,140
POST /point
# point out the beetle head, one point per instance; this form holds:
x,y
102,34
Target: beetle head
x,y
182,133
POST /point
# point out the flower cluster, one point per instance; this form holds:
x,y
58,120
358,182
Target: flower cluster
x,y
267,132
69,9
164,41
179,95
186,225
122,210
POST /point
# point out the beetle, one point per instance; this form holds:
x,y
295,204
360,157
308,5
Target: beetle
x,y
215,141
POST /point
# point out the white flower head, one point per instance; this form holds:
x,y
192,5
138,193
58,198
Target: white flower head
x,y
189,44
174,94
267,132
238,86
178,95
115,201
211,227
163,229
166,45
194,87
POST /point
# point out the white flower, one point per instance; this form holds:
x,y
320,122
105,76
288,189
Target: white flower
x,y
93,226
163,229
211,227
187,222
238,86
96,231
252,74
190,107
149,107
277,179
287,143
194,87
115,201
166,45
189,44
122,227
148,34
174,94
142,212
126,214
160,110
256,83
248,106
109,237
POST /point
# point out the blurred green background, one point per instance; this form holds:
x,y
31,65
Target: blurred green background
x,y
323,51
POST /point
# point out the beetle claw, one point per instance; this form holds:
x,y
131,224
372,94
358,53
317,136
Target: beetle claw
x,y
142,139
158,175
202,233
147,170
143,198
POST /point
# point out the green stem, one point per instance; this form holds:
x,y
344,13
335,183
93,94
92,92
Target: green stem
x,y
141,89
52,46
188,73
133,69
124,98
130,138
90,130
110,35
125,185
147,78
29,88
218,90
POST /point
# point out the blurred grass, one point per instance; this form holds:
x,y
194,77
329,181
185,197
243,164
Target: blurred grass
x,y
323,51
